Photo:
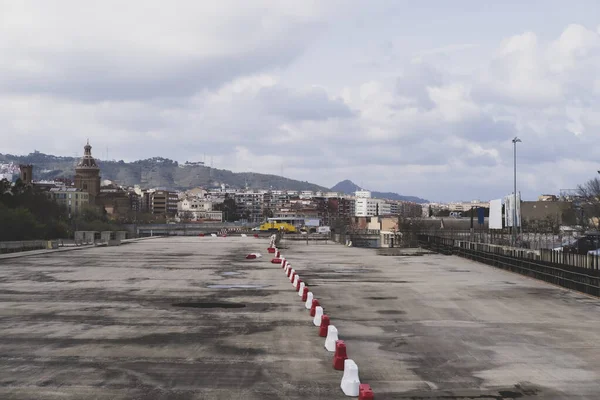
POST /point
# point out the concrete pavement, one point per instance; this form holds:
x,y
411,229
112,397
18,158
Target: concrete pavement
x,y
190,318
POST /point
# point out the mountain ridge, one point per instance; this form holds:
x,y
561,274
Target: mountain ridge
x,y
349,187
157,172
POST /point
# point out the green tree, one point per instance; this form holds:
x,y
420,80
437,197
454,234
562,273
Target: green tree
x,y
229,209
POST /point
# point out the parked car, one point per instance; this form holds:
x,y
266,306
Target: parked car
x,y
584,244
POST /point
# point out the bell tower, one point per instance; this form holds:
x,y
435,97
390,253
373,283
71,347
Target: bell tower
x,y
87,174
26,173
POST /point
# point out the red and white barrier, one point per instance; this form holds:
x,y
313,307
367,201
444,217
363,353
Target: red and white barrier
x,y
275,261
292,275
309,300
253,256
340,355
295,281
332,337
350,381
272,250
298,285
318,316
301,287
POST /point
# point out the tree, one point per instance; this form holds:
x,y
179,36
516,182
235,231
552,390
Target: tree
x,y
589,194
186,216
229,209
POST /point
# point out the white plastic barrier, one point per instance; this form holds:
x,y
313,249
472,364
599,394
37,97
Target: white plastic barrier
x,y
332,337
296,278
350,383
301,290
309,299
318,315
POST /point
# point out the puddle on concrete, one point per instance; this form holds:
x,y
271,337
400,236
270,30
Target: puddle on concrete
x,y
230,273
210,305
381,298
237,286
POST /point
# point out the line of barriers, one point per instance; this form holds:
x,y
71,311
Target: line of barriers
x,y
27,245
524,262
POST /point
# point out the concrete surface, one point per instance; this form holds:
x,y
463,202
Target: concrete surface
x,y
113,323
108,323
443,327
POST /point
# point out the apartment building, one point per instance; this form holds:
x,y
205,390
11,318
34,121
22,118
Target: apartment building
x,y
72,198
160,201
251,205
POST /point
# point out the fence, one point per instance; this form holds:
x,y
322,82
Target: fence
x,y
527,240
530,263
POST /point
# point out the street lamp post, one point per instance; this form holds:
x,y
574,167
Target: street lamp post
x,y
514,226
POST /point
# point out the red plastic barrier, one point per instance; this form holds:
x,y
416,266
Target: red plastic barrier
x,y
201,235
298,285
271,250
256,235
365,392
340,355
315,304
305,294
278,255
275,261
250,256
324,326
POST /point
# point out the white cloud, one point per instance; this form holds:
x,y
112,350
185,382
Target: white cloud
x,y
453,102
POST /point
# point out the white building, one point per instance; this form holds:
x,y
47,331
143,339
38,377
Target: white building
x,y
363,194
194,204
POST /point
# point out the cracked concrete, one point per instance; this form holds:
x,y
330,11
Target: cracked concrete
x,y
106,323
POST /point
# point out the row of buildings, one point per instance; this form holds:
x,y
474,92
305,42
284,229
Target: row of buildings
x,y
199,204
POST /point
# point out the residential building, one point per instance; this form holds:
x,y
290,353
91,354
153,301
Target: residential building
x,y
251,205
160,201
367,207
194,204
72,198
548,197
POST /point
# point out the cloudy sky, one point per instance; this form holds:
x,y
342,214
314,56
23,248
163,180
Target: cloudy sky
x,y
422,98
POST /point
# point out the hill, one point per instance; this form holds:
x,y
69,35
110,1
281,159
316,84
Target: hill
x,y
157,172
349,187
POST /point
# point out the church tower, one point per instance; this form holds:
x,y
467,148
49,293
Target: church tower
x,y
26,173
87,174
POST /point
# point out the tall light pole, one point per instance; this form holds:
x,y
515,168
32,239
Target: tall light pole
x,y
514,227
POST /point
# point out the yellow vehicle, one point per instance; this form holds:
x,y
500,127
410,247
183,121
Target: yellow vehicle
x,y
279,224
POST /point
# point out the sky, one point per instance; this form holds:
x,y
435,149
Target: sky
x,y
420,98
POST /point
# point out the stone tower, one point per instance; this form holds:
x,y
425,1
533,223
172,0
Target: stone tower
x,y
26,173
87,174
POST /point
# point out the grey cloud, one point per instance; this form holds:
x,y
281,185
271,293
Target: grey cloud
x,y
93,77
313,104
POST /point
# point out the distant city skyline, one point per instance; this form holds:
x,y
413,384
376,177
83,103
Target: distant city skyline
x,y
417,98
